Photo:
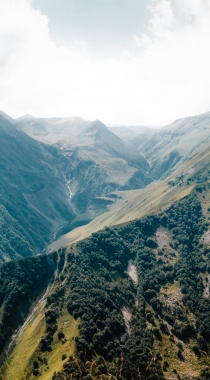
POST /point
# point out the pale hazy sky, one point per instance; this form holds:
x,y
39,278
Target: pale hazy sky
x,y
120,61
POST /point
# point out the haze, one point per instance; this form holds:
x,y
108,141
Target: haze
x,y
122,61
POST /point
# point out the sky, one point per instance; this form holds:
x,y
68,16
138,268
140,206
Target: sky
x,y
128,62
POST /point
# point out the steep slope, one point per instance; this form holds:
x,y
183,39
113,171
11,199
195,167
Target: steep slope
x,y
136,298
99,161
21,284
33,195
149,200
7,117
176,143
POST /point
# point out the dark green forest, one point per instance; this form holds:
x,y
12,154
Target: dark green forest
x,y
21,283
97,288
93,285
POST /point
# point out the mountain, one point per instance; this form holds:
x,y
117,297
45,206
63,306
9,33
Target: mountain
x,y
99,161
176,143
134,135
154,197
7,117
129,302
33,194
125,302
22,118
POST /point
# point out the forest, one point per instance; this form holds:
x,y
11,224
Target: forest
x,y
93,285
21,283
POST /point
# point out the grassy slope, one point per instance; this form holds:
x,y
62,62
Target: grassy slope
x,y
171,296
176,143
151,199
25,352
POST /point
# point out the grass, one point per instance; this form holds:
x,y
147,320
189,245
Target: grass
x,y
150,200
184,136
190,365
20,363
156,196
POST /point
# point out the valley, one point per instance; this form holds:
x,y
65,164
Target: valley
x,y
123,291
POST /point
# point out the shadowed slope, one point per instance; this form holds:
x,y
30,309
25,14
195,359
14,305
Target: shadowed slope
x,y
34,198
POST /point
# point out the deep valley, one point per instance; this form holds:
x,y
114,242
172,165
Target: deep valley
x,y
104,250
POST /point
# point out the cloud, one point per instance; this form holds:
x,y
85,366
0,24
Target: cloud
x,y
164,75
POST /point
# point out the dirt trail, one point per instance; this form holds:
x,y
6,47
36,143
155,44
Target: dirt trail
x,y
16,337
127,317
132,271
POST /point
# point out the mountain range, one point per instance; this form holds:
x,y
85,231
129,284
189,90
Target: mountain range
x,y
99,162
125,296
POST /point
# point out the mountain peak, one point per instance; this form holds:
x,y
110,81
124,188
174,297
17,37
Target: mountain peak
x,y
24,117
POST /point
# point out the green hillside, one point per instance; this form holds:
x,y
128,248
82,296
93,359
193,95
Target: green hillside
x,y
33,196
136,298
125,297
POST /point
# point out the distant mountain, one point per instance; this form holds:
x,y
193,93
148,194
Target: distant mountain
x,y
99,161
24,117
33,196
135,135
176,143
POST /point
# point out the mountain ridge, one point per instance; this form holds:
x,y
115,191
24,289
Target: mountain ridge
x,y
174,144
99,161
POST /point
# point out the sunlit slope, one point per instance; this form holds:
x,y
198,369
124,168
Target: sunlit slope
x,y
176,143
153,198
163,313
20,363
